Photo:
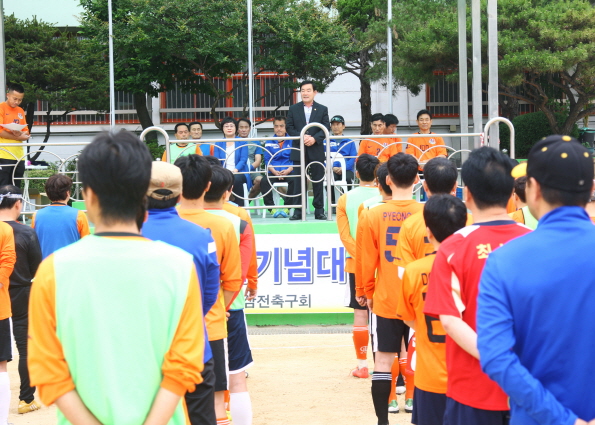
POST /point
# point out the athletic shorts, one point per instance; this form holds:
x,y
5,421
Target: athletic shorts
x,y
386,334
428,408
201,402
219,349
240,355
460,414
5,341
350,294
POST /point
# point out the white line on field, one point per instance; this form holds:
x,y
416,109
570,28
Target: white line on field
x,y
302,346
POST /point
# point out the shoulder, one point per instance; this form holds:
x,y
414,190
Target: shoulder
x,y
423,265
296,106
320,106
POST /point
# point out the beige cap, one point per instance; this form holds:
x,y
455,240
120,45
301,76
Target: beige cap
x,y
165,176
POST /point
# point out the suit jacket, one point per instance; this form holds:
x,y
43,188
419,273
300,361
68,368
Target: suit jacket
x,y
296,120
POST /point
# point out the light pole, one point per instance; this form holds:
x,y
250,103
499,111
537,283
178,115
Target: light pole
x,y
493,71
250,71
476,38
112,91
463,92
2,57
389,57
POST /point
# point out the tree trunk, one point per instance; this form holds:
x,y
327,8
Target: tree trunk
x,y
365,106
140,104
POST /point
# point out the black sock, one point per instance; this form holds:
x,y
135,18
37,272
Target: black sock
x,y
380,395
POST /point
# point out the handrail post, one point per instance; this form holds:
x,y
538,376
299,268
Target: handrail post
x,y
510,126
303,165
160,130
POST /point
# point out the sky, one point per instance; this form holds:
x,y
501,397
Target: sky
x,y
61,13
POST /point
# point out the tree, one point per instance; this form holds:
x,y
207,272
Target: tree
x,y
55,67
160,42
546,52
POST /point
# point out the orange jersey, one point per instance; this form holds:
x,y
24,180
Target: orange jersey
x,y
381,148
518,216
430,368
380,235
10,115
228,255
345,234
511,206
7,259
253,266
424,147
413,240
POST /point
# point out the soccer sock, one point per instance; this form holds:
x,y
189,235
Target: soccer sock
x,y
224,421
394,372
360,342
409,378
241,408
4,397
380,395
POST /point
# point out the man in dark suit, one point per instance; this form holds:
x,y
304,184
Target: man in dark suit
x,y
305,112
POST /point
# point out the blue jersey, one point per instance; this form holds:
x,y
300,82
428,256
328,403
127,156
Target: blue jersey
x,y
281,159
345,147
56,227
167,226
534,320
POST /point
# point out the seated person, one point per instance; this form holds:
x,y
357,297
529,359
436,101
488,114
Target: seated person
x,y
345,147
381,148
206,147
178,149
254,156
279,166
233,154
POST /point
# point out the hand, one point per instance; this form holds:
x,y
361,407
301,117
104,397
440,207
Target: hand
x,y
309,140
227,314
235,170
361,301
581,422
370,304
250,294
337,170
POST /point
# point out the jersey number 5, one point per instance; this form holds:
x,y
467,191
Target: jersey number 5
x,y
391,241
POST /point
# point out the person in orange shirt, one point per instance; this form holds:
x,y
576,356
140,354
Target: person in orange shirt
x,y
12,113
382,148
381,225
424,148
196,172
443,215
7,260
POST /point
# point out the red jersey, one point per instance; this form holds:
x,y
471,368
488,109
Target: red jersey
x,y
453,289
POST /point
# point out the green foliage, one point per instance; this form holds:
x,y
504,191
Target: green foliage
x,y
156,149
546,51
55,66
529,129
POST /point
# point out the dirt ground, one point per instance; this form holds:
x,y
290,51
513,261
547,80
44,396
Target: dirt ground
x,y
297,379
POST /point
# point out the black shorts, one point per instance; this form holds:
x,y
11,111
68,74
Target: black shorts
x,y
460,414
350,294
428,408
5,341
220,359
201,402
240,355
386,334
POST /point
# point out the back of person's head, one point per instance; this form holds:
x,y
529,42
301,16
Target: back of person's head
x,y
381,174
486,173
221,182
214,161
519,188
196,175
424,112
117,168
444,215
377,117
440,175
15,87
165,187
391,119
365,166
9,196
402,169
57,187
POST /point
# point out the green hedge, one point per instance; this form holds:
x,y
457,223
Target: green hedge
x,y
529,128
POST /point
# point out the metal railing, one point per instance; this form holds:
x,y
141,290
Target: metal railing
x,y
256,141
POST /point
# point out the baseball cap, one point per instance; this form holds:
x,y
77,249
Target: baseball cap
x,y
559,162
338,118
165,176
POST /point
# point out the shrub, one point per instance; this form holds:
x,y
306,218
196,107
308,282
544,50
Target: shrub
x,y
529,128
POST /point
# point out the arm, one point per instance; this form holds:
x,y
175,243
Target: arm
x,y
252,269
461,333
343,225
33,253
405,307
82,224
242,156
292,130
405,252
163,407
7,256
210,288
359,287
319,134
350,151
231,270
495,341
246,246
370,256
73,408
164,156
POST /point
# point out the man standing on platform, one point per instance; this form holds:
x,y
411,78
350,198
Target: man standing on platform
x,y
12,113
301,114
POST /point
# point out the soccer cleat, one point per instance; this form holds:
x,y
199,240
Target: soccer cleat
x,y
393,407
401,390
360,372
280,213
409,405
25,407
